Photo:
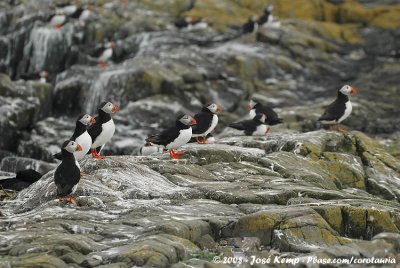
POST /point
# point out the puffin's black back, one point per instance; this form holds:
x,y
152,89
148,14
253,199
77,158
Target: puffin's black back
x,y
204,120
67,174
248,126
336,109
264,18
167,136
95,129
271,116
248,27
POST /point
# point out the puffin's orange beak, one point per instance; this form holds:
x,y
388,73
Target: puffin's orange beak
x,y
115,108
194,122
219,108
249,107
93,120
78,147
354,91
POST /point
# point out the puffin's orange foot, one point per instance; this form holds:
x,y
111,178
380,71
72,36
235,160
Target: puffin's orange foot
x,y
67,200
96,155
198,140
102,65
267,131
174,155
82,173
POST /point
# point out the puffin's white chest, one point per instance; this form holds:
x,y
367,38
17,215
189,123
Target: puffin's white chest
x,y
106,134
106,55
85,141
184,137
252,113
260,130
214,123
347,111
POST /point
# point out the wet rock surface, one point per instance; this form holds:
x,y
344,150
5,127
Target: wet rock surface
x,y
297,192
306,194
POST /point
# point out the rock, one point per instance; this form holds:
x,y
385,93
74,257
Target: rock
x,y
14,164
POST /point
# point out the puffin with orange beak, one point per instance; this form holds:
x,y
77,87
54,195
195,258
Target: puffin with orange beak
x,y
340,109
176,136
81,136
67,174
104,128
207,120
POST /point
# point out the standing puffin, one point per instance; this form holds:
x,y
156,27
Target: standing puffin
x,y
81,136
206,120
253,127
104,128
176,136
251,26
67,174
271,116
340,109
105,53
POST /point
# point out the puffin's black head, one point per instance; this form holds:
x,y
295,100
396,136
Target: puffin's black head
x,y
348,90
260,117
86,119
109,107
252,104
212,107
187,120
71,146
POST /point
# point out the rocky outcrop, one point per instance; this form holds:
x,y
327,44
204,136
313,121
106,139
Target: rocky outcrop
x,y
297,192
321,194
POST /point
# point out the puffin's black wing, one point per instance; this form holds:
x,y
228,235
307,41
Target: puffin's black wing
x,y
95,130
67,175
248,27
271,116
203,122
181,23
249,126
164,138
334,111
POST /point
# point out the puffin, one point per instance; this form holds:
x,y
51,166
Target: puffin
x,y
41,76
67,174
176,136
253,127
81,136
271,116
103,129
105,53
149,149
206,120
22,180
251,26
340,109
264,18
